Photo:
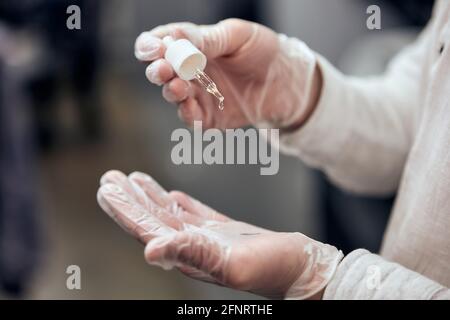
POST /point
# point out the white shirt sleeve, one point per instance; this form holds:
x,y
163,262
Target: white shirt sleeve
x,y
362,128
362,275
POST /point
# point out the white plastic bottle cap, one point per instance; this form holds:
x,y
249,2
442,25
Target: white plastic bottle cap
x,y
184,57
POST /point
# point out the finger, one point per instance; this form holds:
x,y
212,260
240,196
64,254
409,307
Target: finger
x,y
153,190
159,72
131,216
189,111
196,274
120,179
176,90
168,29
195,207
221,39
161,197
135,192
111,176
189,249
148,47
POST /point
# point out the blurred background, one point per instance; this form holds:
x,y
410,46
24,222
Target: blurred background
x,y
75,103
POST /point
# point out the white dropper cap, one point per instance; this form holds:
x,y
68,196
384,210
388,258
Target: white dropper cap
x,y
184,57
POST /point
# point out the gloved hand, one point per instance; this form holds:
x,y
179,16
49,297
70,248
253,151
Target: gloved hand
x,y
268,80
181,232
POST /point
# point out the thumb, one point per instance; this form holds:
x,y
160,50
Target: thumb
x,y
189,249
221,39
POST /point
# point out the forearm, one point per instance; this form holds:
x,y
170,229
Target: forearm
x,y
361,129
362,275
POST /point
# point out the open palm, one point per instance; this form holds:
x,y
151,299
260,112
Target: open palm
x,y
202,243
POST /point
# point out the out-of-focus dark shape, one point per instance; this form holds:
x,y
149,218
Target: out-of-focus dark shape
x,y
61,58
70,60
244,9
415,13
19,232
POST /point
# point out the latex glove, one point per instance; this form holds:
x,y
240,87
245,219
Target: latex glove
x,y
268,80
181,232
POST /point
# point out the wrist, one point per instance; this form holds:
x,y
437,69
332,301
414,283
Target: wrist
x,y
316,89
317,264
318,295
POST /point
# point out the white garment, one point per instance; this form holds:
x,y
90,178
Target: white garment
x,y
376,135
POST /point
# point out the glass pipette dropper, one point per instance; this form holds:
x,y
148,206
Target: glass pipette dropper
x,y
210,86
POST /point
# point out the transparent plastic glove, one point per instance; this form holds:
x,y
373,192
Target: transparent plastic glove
x,y
268,80
181,232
